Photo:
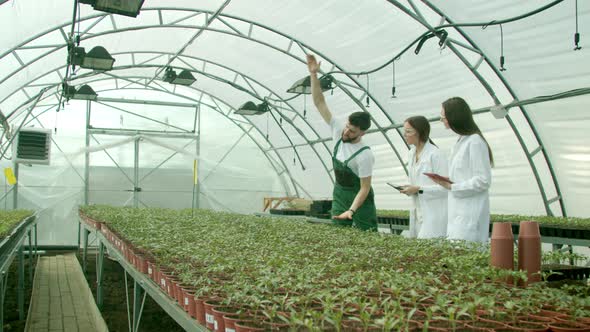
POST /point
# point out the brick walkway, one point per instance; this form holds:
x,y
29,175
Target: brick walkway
x,y
61,299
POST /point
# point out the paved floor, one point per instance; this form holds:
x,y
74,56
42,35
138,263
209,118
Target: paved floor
x,y
61,299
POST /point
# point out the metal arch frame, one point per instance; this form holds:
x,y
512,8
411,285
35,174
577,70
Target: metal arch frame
x,y
253,93
216,99
231,108
489,89
271,160
235,32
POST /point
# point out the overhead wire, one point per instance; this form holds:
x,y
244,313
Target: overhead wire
x,y
454,25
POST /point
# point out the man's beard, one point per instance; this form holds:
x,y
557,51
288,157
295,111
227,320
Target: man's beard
x,y
347,140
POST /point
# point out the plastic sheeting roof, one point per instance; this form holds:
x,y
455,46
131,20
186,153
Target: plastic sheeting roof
x,y
254,49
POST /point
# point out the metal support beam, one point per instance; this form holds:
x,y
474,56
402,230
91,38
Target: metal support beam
x,y
15,190
99,270
535,151
138,293
2,293
87,157
21,283
198,147
133,132
85,250
31,257
136,175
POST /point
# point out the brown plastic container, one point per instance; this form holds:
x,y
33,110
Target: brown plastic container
x,y
502,247
529,250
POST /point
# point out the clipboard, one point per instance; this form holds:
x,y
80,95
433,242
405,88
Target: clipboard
x,y
399,188
435,176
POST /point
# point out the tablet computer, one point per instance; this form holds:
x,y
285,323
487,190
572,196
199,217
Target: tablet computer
x,y
400,188
435,176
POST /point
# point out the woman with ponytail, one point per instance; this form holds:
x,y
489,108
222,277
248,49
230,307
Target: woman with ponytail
x,y
470,174
428,215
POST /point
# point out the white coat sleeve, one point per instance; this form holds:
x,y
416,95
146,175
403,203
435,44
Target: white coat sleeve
x,y
479,163
440,166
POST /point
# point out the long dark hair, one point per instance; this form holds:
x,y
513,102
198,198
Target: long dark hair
x,y
460,120
422,127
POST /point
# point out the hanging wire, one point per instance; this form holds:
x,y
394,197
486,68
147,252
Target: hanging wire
x,y
502,49
393,80
281,118
267,125
304,106
367,99
455,25
577,34
55,122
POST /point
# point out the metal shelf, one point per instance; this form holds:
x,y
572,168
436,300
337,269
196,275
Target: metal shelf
x,y
142,284
11,246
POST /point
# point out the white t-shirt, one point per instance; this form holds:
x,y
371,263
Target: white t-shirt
x,y
362,164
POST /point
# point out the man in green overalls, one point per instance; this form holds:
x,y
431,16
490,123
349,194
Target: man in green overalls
x,y
353,198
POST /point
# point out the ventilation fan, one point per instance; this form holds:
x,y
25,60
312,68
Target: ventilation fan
x,y
33,146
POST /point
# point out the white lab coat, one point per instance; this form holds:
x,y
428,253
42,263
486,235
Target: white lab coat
x,y
469,201
428,217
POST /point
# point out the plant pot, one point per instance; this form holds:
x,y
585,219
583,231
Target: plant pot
x,y
200,309
141,264
442,325
230,321
187,299
249,326
529,251
209,305
564,326
219,312
502,247
523,325
485,323
151,270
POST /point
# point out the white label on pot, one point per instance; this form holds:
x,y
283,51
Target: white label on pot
x,y
229,330
215,328
209,318
163,281
149,270
186,301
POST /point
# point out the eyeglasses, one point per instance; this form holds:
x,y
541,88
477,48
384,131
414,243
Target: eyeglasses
x,y
409,132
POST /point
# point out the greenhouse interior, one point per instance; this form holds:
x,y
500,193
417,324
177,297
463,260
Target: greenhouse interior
x,y
258,165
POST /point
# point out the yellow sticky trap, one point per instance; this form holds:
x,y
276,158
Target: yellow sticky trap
x,y
195,178
10,178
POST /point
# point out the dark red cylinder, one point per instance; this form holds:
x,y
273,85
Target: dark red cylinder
x,y
529,250
502,247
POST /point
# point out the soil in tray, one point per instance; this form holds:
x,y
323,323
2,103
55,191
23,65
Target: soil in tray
x,y
11,321
114,309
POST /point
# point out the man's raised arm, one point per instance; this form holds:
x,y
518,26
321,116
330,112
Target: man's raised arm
x,y
316,91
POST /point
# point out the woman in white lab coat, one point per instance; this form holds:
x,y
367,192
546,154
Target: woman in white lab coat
x,y
470,170
428,215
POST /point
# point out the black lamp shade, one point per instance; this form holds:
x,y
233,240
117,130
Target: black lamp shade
x,y
303,86
85,92
249,108
98,58
184,78
121,7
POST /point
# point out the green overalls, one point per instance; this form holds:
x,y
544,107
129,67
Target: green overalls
x,y
346,187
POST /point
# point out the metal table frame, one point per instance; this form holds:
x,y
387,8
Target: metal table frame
x,y
10,247
142,285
